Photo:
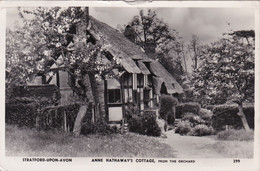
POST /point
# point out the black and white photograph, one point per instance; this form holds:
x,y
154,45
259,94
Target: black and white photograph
x,y
130,84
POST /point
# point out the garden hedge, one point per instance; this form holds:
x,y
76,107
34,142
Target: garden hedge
x,y
25,115
21,114
227,115
191,107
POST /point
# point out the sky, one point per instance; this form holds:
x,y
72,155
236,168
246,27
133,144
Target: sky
x,y
207,23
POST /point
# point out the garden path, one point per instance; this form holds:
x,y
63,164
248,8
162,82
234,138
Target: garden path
x,y
191,146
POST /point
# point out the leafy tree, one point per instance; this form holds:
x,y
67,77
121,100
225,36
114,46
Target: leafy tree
x,y
45,36
158,40
227,72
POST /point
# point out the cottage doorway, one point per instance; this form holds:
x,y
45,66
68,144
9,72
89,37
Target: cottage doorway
x,y
114,101
163,89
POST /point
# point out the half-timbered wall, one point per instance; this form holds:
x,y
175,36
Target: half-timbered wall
x,y
127,87
140,89
137,88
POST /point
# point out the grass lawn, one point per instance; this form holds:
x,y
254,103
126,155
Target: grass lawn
x,y
30,142
235,143
235,149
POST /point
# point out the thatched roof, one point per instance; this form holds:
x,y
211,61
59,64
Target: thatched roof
x,y
143,68
120,46
128,52
163,76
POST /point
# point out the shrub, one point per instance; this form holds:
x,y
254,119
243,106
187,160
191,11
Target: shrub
x,y
205,114
150,126
227,115
131,110
135,124
101,127
145,125
168,102
193,119
236,135
191,107
201,130
183,127
192,124
87,128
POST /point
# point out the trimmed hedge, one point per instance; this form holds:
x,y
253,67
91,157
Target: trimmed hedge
x,y
20,114
167,106
25,115
191,107
227,115
170,119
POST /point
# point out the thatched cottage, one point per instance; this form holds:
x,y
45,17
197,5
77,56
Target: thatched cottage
x,y
142,81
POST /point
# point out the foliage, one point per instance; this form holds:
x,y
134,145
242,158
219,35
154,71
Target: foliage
x,y
171,120
193,124
130,110
145,125
158,40
150,126
21,114
44,37
167,106
183,127
25,114
227,115
101,127
236,135
193,119
60,36
206,115
191,107
227,71
202,130
24,110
